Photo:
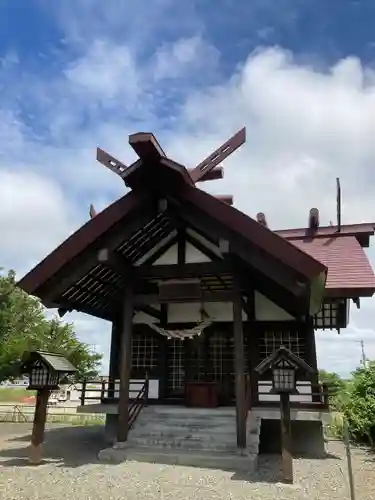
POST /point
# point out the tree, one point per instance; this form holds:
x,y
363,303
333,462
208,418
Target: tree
x,y
336,388
332,380
24,327
360,406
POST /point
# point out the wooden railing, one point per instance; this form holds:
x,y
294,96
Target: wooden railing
x,y
138,403
318,398
106,391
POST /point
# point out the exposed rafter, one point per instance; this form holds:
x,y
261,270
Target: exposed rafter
x,y
114,261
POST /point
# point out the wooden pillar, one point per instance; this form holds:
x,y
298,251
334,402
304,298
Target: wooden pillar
x,y
311,357
125,361
286,438
239,365
114,357
39,425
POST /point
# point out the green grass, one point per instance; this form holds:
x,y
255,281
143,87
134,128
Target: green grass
x,y
14,395
67,419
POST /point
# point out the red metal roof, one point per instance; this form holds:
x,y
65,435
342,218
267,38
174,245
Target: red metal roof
x,y
349,270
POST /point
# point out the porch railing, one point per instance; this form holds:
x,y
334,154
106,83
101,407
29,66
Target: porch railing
x,y
107,391
316,399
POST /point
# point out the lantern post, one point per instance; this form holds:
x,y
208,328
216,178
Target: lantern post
x,y
44,370
284,366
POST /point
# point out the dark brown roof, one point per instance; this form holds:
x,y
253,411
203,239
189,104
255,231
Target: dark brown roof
x,y
240,224
349,270
256,233
76,243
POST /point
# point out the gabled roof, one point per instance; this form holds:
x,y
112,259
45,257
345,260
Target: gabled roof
x,y
241,225
52,360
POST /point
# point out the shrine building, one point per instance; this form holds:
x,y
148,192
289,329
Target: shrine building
x,y
198,294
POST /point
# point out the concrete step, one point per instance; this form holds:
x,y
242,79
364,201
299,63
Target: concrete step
x,y
213,426
175,433
185,412
204,459
187,443
145,424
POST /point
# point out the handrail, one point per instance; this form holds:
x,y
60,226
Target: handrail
x,y
138,403
104,390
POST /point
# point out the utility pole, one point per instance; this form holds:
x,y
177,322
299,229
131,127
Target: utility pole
x,y
364,359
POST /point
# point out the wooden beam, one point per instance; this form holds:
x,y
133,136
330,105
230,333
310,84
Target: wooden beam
x,y
114,261
125,362
218,156
146,146
250,254
151,311
181,247
110,162
187,271
239,364
213,175
218,296
273,291
225,198
202,248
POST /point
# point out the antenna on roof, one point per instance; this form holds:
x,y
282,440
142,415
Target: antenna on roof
x,y
338,204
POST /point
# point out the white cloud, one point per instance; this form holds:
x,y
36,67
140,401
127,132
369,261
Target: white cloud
x,y
304,128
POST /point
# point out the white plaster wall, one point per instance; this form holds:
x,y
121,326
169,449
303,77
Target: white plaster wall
x,y
192,256
136,385
265,310
141,317
218,311
304,389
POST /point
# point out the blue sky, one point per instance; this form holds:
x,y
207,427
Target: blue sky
x,y
77,74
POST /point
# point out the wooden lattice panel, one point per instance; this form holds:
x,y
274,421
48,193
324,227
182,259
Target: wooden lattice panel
x,y
272,339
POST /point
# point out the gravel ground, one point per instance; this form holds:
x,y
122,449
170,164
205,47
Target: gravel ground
x,y
72,471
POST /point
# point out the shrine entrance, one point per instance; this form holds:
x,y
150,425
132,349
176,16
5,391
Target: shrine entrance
x,y
208,358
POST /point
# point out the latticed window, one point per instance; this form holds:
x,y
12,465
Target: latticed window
x,y
176,370
221,352
332,315
144,352
272,340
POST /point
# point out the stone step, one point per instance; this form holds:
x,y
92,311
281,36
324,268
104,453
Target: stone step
x,y
145,424
175,433
190,412
206,459
187,444
213,427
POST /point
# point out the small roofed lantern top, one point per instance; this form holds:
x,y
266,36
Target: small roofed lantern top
x,y
45,369
284,367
